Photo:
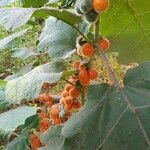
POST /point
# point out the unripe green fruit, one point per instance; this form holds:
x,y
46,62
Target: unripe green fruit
x,y
86,6
91,16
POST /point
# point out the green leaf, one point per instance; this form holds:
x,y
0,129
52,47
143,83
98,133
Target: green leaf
x,y
23,52
29,85
59,14
3,84
113,119
5,2
52,138
11,119
4,42
127,25
59,38
3,102
12,18
22,72
35,3
21,141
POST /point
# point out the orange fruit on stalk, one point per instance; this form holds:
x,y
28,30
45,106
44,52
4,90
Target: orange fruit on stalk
x,y
68,87
35,141
44,125
76,105
92,74
84,77
64,94
57,120
54,111
41,98
62,100
104,44
100,5
68,100
46,86
87,50
76,64
74,92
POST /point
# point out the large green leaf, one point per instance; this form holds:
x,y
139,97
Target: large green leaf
x,y
127,24
29,85
59,38
12,18
11,119
5,42
113,119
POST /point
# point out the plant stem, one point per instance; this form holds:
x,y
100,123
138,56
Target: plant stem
x,y
104,59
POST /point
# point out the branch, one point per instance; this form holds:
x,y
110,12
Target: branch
x,y
103,57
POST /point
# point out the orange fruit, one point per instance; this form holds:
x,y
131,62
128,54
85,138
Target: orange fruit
x,y
84,78
76,64
68,87
68,100
100,5
74,92
104,44
87,50
54,111
92,74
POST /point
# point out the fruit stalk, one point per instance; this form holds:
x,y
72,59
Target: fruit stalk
x,y
104,58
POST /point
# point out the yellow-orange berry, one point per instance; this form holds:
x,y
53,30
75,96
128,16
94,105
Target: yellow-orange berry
x,y
84,78
68,87
76,64
100,5
54,111
104,44
92,74
74,92
87,50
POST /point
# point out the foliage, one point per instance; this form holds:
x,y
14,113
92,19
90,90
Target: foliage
x,y
87,113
